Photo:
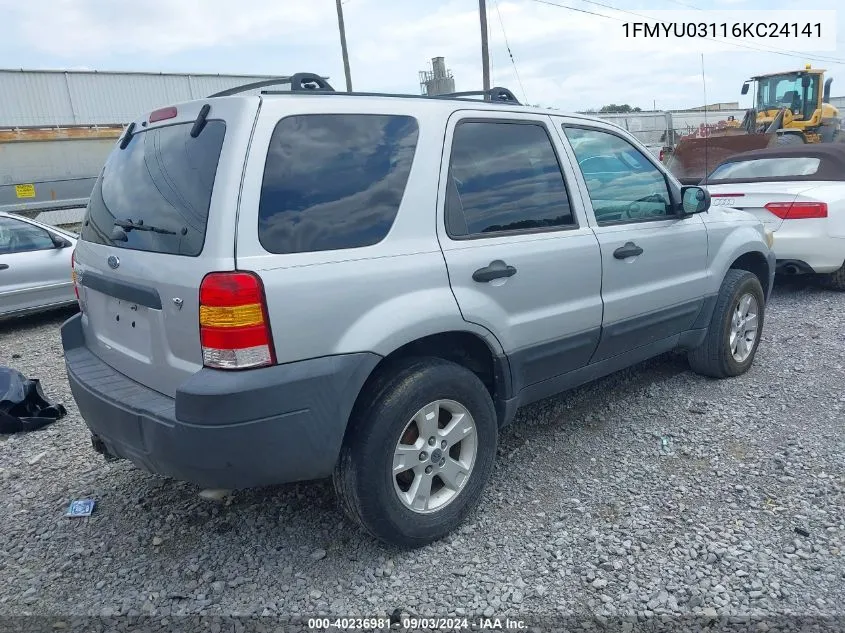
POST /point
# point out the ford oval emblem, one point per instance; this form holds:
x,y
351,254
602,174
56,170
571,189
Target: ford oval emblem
x,y
113,262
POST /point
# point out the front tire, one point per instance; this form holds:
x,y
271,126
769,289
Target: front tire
x,y
790,139
418,453
735,328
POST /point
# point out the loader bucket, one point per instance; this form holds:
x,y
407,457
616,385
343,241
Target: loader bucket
x,y
693,158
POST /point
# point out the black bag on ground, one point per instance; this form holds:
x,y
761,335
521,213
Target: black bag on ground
x,y
23,405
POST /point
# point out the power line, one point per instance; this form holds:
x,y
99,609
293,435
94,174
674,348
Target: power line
x,y
773,48
508,46
563,6
678,2
753,48
824,58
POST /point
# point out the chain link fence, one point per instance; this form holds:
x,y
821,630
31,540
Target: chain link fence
x,y
650,128
661,131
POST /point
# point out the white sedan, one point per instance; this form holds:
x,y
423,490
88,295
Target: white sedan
x,y
35,266
799,194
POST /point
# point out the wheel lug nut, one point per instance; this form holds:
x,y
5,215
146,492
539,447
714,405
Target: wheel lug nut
x,y
442,462
443,444
428,470
423,456
432,441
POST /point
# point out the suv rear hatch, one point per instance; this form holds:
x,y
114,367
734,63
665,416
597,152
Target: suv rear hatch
x,y
161,216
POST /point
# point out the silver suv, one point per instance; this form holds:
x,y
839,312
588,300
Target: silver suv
x,y
295,285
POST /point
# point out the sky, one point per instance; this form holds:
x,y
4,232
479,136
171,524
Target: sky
x,y
563,58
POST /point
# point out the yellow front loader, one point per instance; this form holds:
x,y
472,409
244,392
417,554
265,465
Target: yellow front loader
x,y
804,99
790,108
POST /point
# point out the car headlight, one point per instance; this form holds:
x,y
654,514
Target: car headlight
x,y
770,237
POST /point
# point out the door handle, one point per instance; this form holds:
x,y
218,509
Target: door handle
x,y
496,270
4,266
629,250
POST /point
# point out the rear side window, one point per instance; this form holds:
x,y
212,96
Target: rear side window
x,y
766,168
334,181
162,184
504,177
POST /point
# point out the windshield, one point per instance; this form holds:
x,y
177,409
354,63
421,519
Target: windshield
x,y
158,189
786,91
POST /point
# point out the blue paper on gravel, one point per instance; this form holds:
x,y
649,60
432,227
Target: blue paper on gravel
x,y
80,508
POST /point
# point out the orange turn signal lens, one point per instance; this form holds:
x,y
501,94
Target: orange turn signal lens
x,y
231,316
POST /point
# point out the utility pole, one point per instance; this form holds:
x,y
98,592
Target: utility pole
x,y
485,54
343,47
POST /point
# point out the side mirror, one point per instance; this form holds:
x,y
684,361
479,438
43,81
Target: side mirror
x,y
805,81
745,88
60,242
694,200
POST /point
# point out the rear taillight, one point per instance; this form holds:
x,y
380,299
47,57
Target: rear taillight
x,y
797,210
73,277
234,328
661,156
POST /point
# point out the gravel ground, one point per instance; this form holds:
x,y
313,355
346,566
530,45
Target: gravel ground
x,y
653,491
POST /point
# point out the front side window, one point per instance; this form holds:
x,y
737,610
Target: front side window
x,y
17,236
334,181
623,184
504,177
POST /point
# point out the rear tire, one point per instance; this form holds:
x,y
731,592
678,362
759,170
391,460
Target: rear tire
x,y
385,451
835,280
790,139
729,347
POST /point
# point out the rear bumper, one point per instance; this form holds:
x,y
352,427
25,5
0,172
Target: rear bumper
x,y
822,254
224,429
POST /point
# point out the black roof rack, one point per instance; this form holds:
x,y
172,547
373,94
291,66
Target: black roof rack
x,y
300,82
494,94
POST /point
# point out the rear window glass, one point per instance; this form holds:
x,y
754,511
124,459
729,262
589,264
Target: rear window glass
x,y
766,168
162,181
334,181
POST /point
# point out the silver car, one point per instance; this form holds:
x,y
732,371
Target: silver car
x,y
35,266
291,286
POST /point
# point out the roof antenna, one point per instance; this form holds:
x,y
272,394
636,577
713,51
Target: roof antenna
x,y
706,129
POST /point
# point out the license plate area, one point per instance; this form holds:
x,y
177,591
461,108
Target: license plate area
x,y
125,326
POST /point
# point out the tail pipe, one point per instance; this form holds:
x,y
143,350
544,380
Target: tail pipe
x,y
100,447
794,267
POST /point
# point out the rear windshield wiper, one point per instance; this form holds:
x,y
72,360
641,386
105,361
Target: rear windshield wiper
x,y
129,225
